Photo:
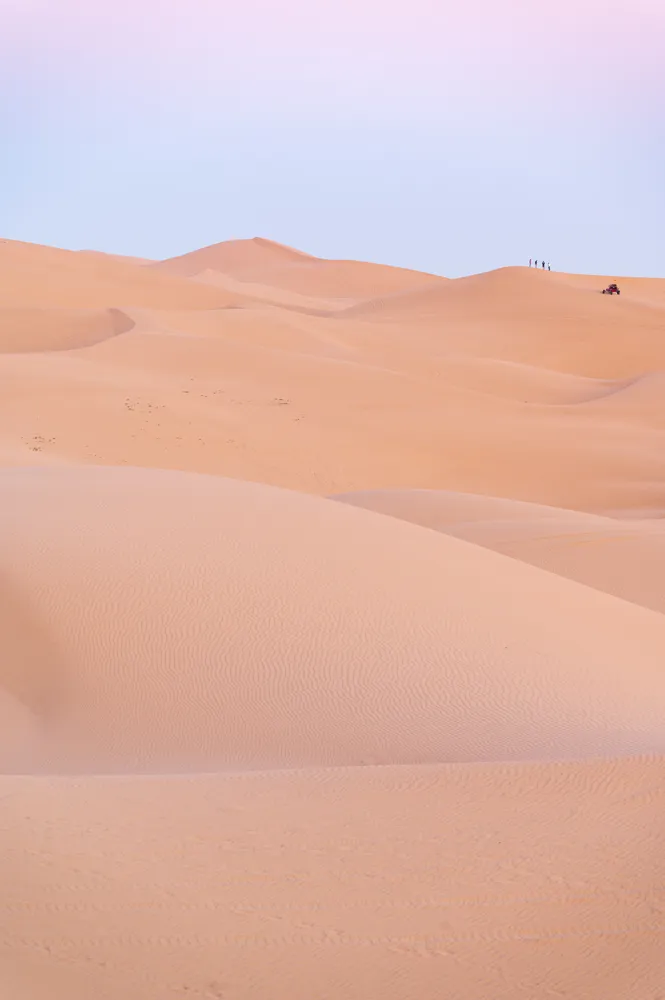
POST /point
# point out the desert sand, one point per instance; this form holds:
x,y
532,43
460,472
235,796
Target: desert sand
x,y
333,642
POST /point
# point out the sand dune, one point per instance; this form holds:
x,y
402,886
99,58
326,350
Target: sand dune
x,y
27,330
505,881
234,257
278,603
45,278
117,256
345,279
620,557
521,315
270,264
256,743
256,393
635,401
274,295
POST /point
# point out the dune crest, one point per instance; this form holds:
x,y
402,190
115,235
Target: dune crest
x,y
234,257
263,262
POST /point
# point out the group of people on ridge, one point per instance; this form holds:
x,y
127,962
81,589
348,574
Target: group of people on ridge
x,y
548,266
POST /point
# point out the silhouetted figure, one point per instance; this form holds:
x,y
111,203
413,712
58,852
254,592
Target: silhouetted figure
x,y
536,263
529,262
543,265
549,268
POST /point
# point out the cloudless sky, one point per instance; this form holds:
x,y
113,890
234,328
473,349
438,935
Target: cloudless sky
x,y
447,136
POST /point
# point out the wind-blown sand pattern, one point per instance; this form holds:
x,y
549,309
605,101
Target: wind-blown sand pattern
x,y
333,648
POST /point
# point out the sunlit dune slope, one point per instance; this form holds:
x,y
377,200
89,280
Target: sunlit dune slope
x,y
254,394
39,277
520,315
512,383
233,257
117,256
270,264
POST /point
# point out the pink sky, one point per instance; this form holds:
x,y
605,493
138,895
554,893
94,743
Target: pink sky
x,y
357,50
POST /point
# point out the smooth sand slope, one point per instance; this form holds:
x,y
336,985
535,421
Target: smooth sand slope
x,y
258,744
521,315
264,262
621,557
28,330
238,625
505,881
39,277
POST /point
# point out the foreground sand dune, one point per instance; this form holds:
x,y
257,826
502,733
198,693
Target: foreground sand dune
x,y
257,744
507,881
200,622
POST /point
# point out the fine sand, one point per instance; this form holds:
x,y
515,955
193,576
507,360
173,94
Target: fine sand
x,y
333,641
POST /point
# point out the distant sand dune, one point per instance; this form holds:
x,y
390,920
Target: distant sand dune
x,y
310,403
45,278
514,314
24,330
117,256
270,264
234,257
311,305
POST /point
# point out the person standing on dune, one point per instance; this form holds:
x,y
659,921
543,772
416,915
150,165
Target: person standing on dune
x,y
543,265
536,263
529,262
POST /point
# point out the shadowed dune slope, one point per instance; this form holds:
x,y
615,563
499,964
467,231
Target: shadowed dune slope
x,y
198,622
27,330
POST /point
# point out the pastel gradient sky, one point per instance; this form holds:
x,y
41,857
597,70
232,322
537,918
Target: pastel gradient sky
x,y
452,137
